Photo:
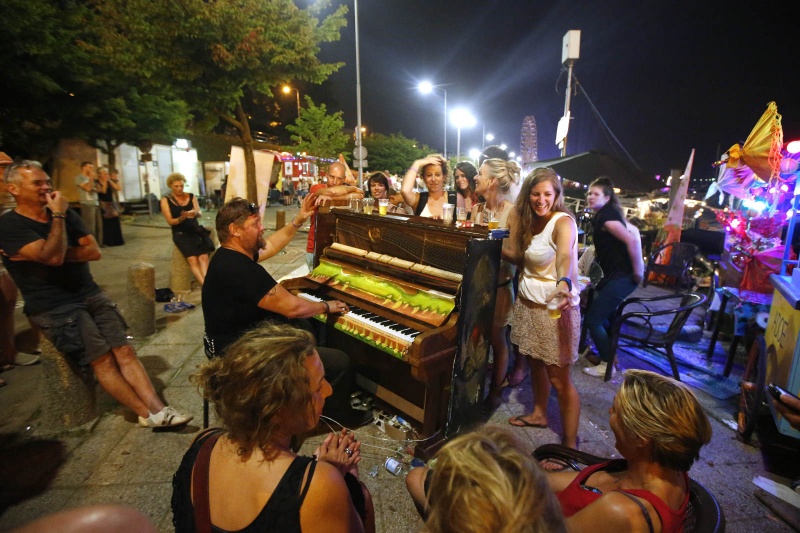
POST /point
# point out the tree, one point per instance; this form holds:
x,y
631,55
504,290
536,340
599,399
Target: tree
x,y
393,152
318,133
221,55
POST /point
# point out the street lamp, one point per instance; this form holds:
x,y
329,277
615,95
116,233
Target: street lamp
x,y
475,154
461,118
426,87
288,90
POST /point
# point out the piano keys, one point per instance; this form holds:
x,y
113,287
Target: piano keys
x,y
421,296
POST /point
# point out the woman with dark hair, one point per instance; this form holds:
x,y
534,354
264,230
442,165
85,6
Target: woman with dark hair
x,y
434,171
660,428
108,186
464,175
544,242
619,253
379,189
269,388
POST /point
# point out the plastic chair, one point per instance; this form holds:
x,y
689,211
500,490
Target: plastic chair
x,y
641,329
703,516
677,266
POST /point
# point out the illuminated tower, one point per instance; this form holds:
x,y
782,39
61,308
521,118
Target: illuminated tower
x,y
529,145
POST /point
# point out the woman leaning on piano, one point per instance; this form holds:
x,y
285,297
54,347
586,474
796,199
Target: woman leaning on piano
x,y
434,171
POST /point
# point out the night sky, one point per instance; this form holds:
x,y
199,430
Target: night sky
x,y
665,77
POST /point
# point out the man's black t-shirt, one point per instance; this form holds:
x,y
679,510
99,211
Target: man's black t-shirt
x,y
233,287
610,252
45,287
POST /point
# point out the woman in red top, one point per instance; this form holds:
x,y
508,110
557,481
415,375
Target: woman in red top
x,y
660,427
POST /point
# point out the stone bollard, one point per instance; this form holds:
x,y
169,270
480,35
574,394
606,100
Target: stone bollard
x,y
141,299
280,219
181,276
68,392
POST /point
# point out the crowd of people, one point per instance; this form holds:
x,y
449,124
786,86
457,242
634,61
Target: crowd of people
x,y
270,382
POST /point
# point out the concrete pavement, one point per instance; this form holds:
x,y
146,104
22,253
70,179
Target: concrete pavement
x,y
115,461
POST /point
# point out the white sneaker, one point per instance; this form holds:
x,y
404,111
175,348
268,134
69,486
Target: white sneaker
x,y
26,359
598,371
166,418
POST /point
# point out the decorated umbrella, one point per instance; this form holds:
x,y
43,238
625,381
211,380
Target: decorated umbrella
x,y
759,157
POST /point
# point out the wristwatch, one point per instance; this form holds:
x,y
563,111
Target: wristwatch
x,y
567,281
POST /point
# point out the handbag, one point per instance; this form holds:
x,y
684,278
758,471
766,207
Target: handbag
x,y
109,209
205,237
596,274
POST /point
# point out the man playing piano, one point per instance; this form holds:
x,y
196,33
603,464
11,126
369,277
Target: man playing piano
x,y
238,294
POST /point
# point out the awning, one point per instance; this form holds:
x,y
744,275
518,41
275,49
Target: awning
x,y
588,166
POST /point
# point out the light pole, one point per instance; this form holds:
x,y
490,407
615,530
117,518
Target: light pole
x,y
461,118
488,137
288,90
425,87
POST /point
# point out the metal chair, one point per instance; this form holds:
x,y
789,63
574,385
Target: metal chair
x,y
703,516
677,266
643,331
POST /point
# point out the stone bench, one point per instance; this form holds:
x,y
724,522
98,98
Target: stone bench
x,y
69,392
181,277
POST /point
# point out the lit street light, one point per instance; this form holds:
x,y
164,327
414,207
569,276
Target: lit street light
x,y
426,87
288,90
461,118
474,154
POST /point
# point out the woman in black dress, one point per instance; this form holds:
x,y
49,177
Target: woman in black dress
x,y
181,210
108,181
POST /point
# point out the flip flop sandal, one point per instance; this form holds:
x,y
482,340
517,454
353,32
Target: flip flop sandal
x,y
521,423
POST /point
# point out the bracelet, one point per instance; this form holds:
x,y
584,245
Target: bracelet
x,y
58,214
298,226
327,307
415,169
567,281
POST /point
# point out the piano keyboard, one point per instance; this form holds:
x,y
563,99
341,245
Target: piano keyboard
x,y
384,334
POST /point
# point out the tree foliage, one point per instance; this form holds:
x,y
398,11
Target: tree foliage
x,y
221,56
318,133
394,152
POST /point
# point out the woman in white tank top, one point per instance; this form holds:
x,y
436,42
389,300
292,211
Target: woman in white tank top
x,y
544,243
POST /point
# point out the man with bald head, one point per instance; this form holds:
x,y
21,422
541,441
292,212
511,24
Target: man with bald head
x,y
335,189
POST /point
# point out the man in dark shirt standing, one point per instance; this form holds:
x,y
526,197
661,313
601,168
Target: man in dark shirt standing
x,y
238,294
46,249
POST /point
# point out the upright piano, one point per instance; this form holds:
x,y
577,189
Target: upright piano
x,y
421,295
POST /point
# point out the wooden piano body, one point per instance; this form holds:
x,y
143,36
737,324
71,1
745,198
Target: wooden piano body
x,y
433,281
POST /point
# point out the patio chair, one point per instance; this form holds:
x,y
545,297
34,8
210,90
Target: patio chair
x,y
642,331
677,266
703,516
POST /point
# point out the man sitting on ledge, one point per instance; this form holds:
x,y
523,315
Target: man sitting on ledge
x,y
46,249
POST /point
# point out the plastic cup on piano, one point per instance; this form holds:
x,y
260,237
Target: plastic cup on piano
x,y
368,204
447,213
383,205
355,205
461,214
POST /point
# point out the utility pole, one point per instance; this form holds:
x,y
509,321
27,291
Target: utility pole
x,y
358,102
570,52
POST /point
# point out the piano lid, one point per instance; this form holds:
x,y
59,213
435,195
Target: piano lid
x,y
425,305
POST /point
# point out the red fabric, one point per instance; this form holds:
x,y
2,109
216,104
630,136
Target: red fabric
x,y
759,267
574,498
313,227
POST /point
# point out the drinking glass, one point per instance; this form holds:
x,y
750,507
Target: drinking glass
x,y
461,214
368,204
383,204
552,308
447,213
355,205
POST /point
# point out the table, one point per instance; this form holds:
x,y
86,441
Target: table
x,y
747,305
